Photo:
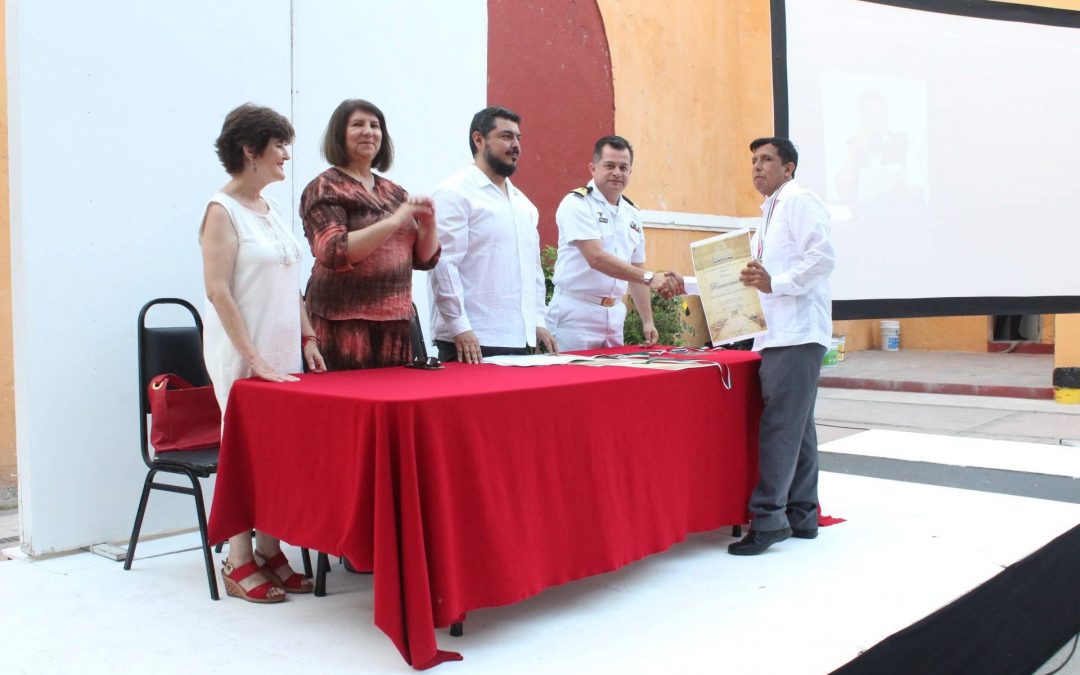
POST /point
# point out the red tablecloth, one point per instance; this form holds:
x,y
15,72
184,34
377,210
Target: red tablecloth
x,y
476,486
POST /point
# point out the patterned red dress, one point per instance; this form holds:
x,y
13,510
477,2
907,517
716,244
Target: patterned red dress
x,y
360,312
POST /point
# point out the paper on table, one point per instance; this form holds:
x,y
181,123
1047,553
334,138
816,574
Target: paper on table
x,y
535,359
732,310
654,364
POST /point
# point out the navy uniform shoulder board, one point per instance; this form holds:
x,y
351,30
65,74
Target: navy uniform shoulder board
x,y
582,191
629,201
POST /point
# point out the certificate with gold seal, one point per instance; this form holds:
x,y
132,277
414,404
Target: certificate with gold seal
x,y
732,311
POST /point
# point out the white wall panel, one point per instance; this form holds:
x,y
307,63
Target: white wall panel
x,y
114,109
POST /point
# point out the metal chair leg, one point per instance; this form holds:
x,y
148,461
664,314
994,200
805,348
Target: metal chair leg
x,y
138,519
457,629
201,510
322,567
306,556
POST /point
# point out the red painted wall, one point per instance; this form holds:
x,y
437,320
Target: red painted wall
x,y
549,62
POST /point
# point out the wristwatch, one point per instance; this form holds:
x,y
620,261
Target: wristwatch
x,y
647,279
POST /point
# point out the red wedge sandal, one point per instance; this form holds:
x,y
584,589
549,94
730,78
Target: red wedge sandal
x,y
263,593
293,583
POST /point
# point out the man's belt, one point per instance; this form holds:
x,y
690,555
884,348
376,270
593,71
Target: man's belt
x,y
594,299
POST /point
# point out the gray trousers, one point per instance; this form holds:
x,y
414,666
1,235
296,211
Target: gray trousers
x,y
786,493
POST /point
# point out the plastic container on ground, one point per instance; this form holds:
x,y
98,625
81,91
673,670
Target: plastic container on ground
x,y
890,335
1067,385
831,354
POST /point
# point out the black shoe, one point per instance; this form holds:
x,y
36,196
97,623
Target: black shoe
x,y
804,534
757,541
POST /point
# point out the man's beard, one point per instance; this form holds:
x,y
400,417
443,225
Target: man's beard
x,y
504,169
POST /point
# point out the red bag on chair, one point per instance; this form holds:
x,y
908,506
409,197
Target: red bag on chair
x,y
182,417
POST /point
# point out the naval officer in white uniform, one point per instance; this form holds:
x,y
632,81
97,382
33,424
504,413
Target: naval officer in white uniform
x,y
601,256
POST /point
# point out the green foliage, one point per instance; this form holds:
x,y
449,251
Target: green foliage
x,y
665,312
547,263
665,317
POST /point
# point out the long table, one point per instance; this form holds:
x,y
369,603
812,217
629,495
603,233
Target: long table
x,y
481,485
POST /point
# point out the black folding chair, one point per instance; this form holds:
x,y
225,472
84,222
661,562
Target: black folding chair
x,y
174,349
416,336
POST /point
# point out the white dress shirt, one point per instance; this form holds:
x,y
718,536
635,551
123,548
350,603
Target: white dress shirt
x,y
489,278
796,250
617,228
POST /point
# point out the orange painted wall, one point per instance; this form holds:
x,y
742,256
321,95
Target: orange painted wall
x,y
670,249
7,362
693,86
944,333
1067,341
858,335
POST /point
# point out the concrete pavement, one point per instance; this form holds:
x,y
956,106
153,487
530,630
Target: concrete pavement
x,y
981,374
9,530
983,395
843,411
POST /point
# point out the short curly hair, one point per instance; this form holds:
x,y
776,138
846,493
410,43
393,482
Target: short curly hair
x,y
253,126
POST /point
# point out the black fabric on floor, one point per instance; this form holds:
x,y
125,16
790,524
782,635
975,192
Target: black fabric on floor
x,y
1013,623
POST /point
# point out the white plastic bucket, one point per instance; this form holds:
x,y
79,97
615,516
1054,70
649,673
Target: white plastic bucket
x,y
890,336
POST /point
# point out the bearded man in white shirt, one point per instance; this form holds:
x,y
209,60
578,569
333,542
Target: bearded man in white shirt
x,y
793,258
488,285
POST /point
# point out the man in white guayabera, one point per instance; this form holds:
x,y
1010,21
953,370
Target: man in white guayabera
x,y
792,259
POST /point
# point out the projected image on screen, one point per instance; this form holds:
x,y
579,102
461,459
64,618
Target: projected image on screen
x,y
875,147
944,145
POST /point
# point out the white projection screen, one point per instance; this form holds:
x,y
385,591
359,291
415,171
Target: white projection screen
x,y
947,148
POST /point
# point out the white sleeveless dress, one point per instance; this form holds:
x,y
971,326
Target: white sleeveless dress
x,y
266,288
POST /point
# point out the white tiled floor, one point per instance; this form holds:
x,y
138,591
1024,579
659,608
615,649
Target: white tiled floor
x,y
905,551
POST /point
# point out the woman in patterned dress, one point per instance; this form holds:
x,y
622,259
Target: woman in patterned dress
x,y
367,235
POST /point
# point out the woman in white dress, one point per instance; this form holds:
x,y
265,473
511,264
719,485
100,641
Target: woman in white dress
x,y
258,325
